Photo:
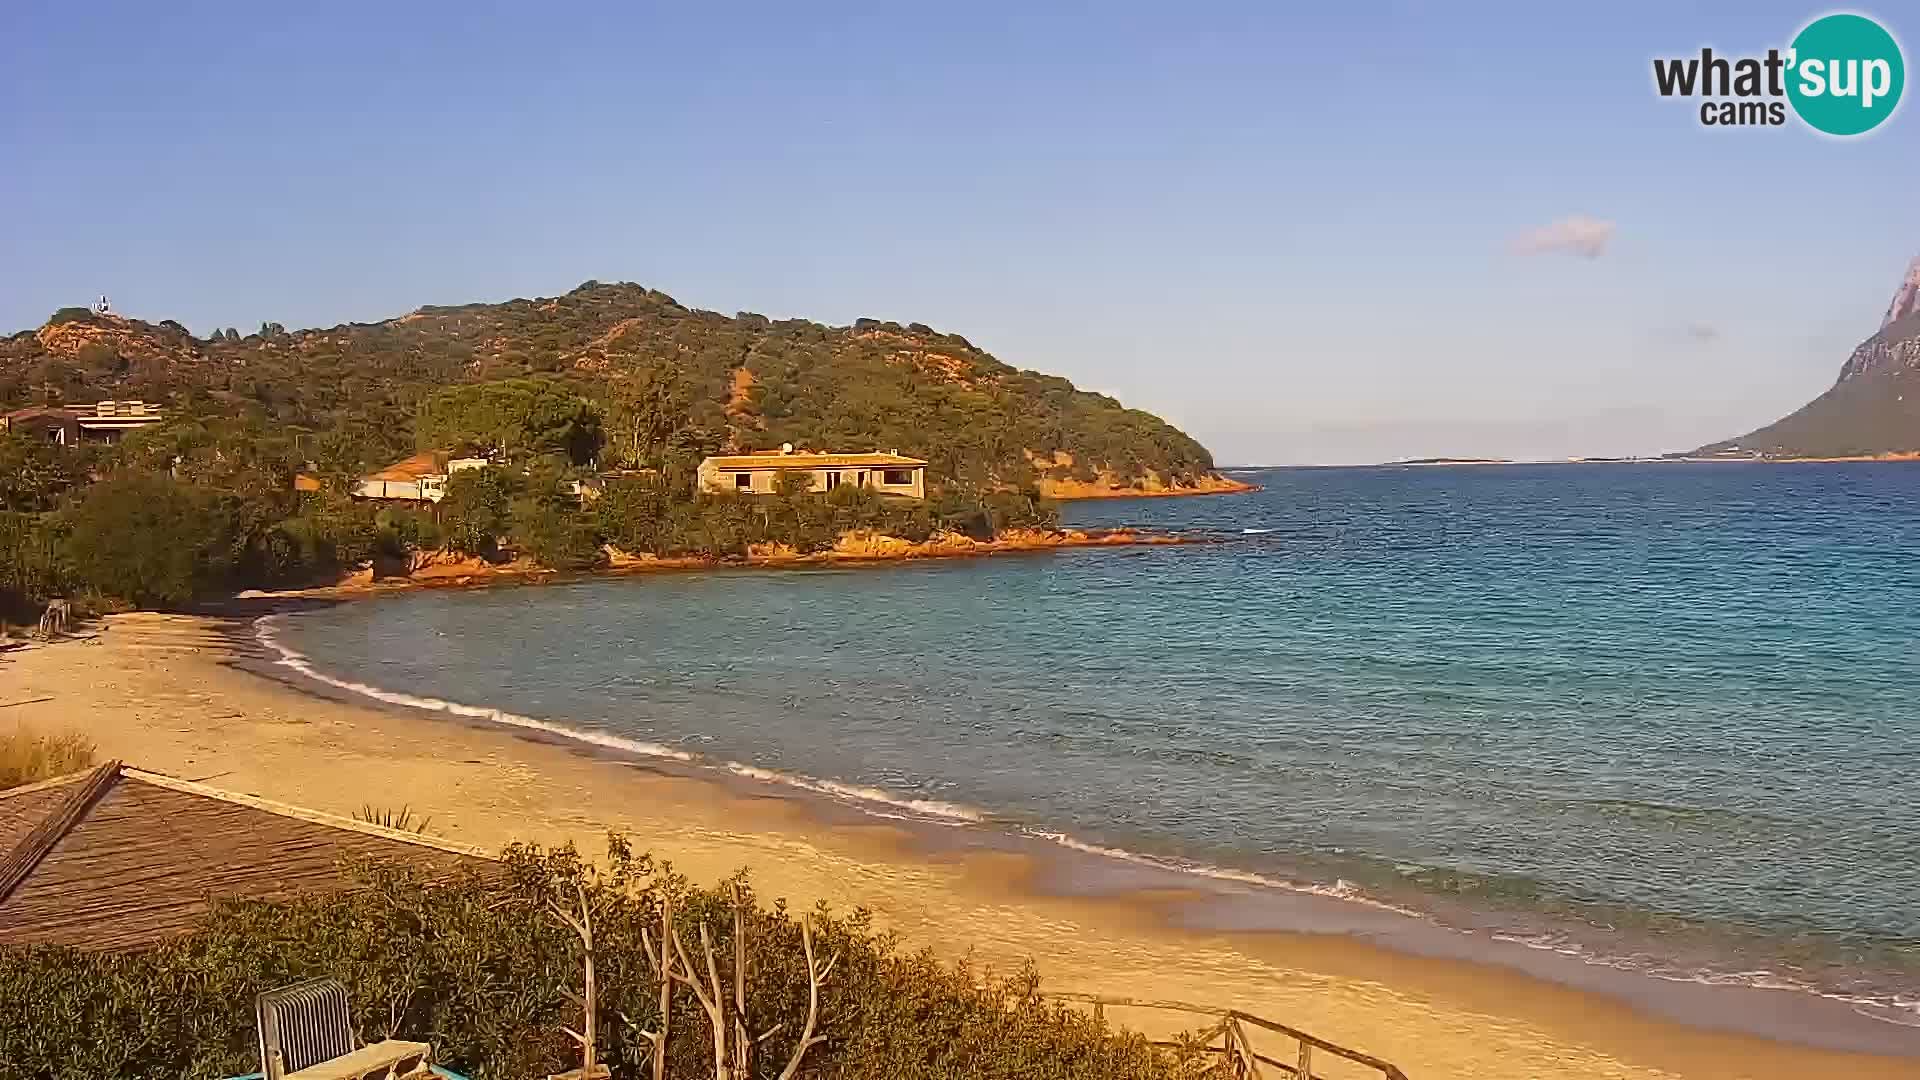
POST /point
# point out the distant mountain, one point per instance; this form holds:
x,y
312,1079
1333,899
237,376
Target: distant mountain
x,y
1874,406
738,382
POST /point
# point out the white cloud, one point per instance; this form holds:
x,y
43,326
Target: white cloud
x,y
1576,234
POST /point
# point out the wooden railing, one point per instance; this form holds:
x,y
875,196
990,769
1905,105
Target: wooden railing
x,y
1226,1039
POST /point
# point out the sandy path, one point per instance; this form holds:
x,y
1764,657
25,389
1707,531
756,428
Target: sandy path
x,y
156,691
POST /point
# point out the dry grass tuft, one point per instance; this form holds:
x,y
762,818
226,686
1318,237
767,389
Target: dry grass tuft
x,y
27,756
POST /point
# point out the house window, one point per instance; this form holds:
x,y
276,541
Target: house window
x,y
743,481
897,477
833,479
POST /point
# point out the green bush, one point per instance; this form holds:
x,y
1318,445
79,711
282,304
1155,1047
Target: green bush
x,y
478,967
29,567
982,514
401,529
474,514
555,536
35,473
633,513
149,540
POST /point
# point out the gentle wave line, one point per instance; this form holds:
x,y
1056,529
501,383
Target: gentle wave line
x,y
266,632
884,804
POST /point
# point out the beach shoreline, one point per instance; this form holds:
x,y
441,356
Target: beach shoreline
x,y
197,697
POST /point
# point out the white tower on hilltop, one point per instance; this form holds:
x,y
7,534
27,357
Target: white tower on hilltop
x,y
1906,299
101,307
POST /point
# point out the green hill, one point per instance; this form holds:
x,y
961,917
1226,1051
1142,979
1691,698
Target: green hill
x,y
670,380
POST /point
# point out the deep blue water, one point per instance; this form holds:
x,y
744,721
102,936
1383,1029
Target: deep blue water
x,y
1666,712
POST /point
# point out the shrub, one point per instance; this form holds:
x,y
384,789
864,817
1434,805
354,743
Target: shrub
x,y
633,514
400,529
34,473
555,536
981,514
479,968
474,513
148,540
27,756
29,571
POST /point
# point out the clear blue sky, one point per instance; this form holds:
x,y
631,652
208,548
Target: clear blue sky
x,y
1288,229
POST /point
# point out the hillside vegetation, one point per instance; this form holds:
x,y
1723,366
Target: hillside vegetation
x,y
609,379
668,379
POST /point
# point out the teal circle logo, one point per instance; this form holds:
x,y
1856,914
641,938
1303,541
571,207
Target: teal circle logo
x,y
1845,74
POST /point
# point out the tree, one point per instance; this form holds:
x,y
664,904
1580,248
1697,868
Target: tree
x,y
634,513
475,510
34,473
649,408
513,418
147,540
555,536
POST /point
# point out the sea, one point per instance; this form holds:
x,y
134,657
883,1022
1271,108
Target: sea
x,y
1653,722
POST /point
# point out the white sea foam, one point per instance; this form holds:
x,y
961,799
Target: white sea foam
x,y
1254,532
1341,889
266,631
945,812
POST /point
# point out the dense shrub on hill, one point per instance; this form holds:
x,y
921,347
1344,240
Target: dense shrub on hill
x,y
481,969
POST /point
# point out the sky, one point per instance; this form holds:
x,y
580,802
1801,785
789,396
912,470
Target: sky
x,y
1305,234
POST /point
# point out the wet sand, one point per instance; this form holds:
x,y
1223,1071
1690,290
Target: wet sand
x,y
186,696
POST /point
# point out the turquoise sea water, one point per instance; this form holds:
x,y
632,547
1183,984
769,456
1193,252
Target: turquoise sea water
x,y
1659,717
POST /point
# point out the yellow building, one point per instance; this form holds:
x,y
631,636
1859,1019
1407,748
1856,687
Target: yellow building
x,y
759,473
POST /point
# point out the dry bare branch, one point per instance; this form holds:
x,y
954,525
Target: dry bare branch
x,y
583,927
816,975
742,1045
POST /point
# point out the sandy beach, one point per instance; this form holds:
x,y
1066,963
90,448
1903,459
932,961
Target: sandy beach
x,y
174,694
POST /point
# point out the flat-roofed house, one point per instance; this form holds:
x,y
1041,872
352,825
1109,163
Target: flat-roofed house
x,y
70,425
759,473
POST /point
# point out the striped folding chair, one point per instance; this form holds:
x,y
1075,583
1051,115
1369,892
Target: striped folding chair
x,y
301,1025
306,1033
